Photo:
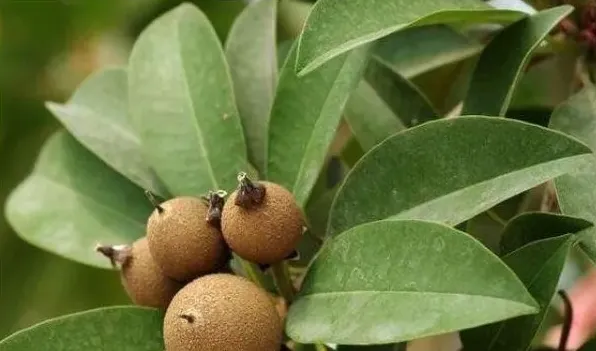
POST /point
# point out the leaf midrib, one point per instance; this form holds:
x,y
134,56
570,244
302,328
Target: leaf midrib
x,y
45,177
347,59
119,129
195,121
481,183
400,292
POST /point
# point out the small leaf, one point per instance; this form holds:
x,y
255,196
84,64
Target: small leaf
x,y
182,104
97,115
369,117
403,97
429,47
251,53
474,163
533,226
72,201
502,62
104,329
576,191
378,283
539,266
304,118
336,26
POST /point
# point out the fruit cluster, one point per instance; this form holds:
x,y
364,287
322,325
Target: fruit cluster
x,y
182,266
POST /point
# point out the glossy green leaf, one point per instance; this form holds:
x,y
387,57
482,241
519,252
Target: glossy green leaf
x,y
402,97
73,200
336,26
539,266
502,62
251,54
182,104
369,117
304,118
576,191
104,329
474,163
429,47
97,115
533,226
378,283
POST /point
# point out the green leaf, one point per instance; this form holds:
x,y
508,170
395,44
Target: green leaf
x,y
576,191
97,115
304,118
251,53
533,226
380,283
429,47
72,201
388,347
539,266
104,329
502,62
369,117
336,26
182,104
474,163
403,97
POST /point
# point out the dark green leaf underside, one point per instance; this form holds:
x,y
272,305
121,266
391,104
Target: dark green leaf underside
x,y
501,63
533,226
539,266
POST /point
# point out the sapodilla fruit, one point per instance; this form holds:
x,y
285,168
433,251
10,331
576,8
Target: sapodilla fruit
x,y
144,282
261,221
222,312
182,239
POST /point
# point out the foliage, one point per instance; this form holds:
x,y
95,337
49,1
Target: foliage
x,y
341,116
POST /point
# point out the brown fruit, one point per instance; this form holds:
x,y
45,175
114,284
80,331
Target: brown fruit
x,y
182,242
266,232
141,277
222,312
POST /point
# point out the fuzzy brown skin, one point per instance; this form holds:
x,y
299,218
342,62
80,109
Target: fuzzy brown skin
x,y
222,312
183,244
144,281
266,233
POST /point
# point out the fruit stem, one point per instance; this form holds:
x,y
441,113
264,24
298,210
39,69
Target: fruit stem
x,y
281,278
249,194
153,200
568,321
320,347
250,271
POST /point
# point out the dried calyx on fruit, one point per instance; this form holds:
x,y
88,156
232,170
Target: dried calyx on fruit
x,y
262,222
222,312
215,201
143,280
183,239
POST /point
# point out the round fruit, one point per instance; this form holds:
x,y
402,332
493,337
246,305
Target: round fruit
x,y
181,240
266,231
222,312
141,277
